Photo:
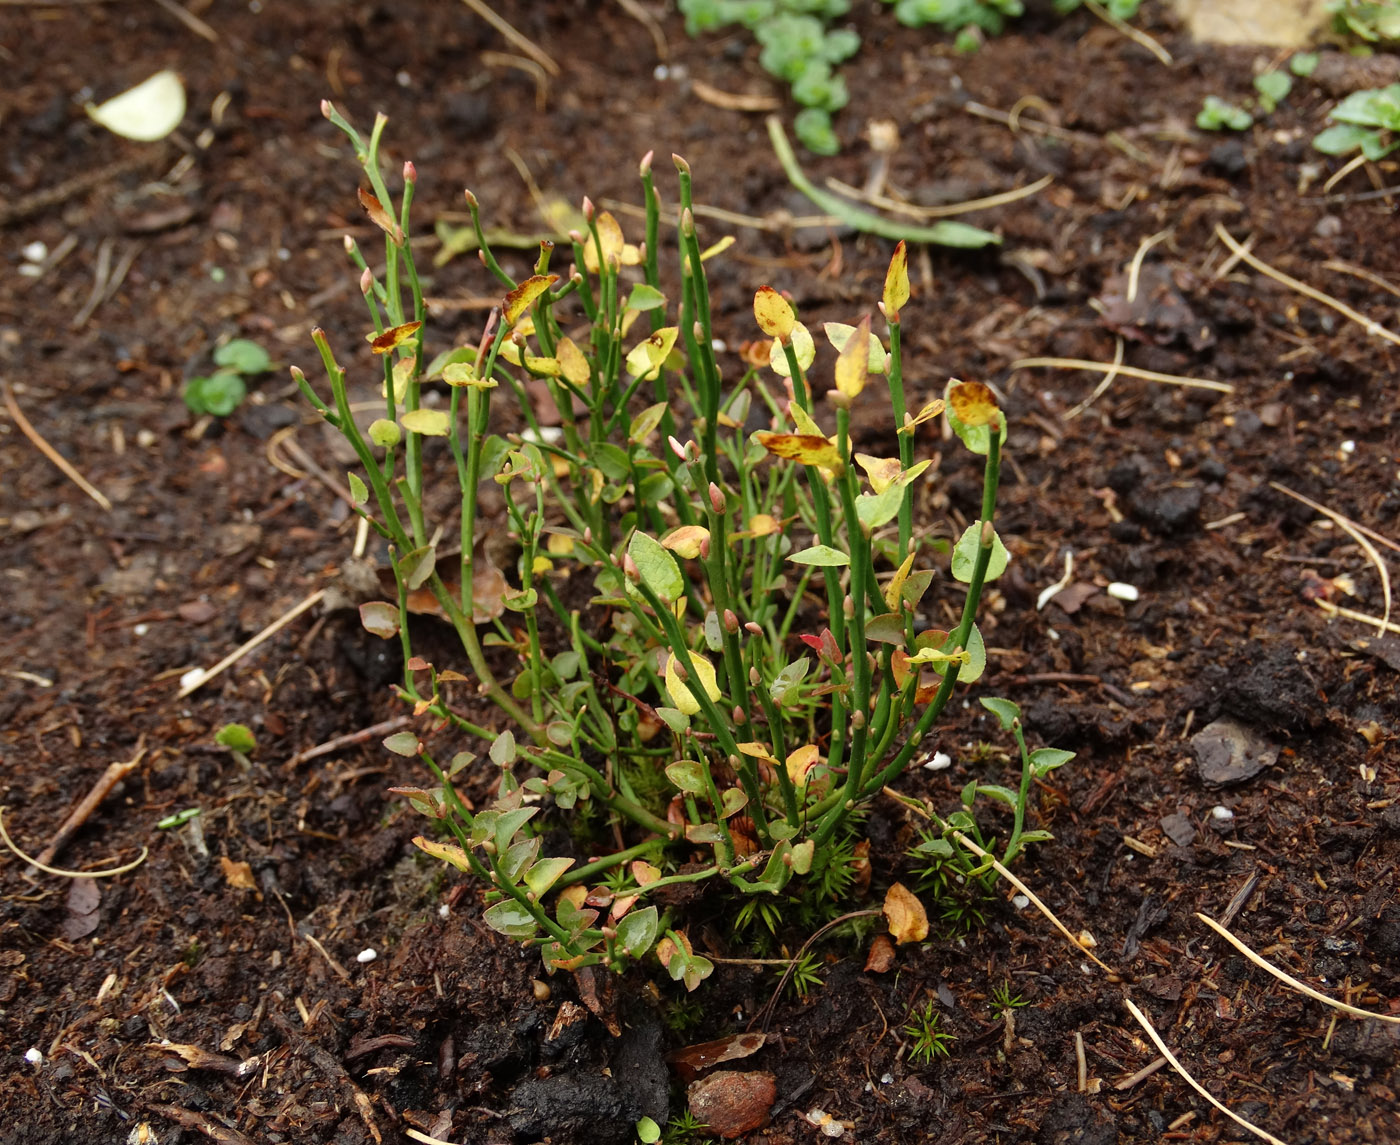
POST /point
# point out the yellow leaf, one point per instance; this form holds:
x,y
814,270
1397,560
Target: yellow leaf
x,y
800,762
762,525
447,852
645,359
896,585
803,420
428,422
557,545
882,472
773,313
905,914
616,251
802,346
464,374
678,691
806,448
572,364
685,541
853,364
523,296
897,283
717,247
757,750
393,337
541,564
930,411
839,335
974,403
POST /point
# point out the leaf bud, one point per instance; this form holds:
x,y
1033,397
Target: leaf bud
x,y
366,281
754,678
609,933
589,210
327,108
410,172
740,718
630,569
716,498
576,237
704,548
848,607
857,720
471,199
644,167
687,223
349,245
753,628
676,447
731,622
297,375
588,534
681,165
675,667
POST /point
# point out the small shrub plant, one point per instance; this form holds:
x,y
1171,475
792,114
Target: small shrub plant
x,y
709,637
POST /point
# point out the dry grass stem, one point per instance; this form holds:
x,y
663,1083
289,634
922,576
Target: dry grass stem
x,y
1351,614
522,43
1126,371
1104,382
33,862
17,415
1191,1081
1302,987
1354,531
114,774
1360,272
189,20
733,101
1123,28
895,206
243,649
1373,328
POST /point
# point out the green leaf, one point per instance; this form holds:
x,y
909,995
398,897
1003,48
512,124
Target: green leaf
x,y
886,629
675,719
1045,759
612,460
1005,711
543,875
511,919
702,833
965,555
648,1132
518,856
732,801
784,687
645,423
243,357
403,743
236,737
1035,837
509,823
1342,138
503,749
823,556
1303,64
658,568
802,854
1273,89
1217,115
416,567
976,437
637,931
688,775
877,509
358,492
998,792
385,433
217,395
428,422
644,297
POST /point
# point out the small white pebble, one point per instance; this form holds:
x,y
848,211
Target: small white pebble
x,y
719,345
661,72
887,1079
145,438
141,629
1122,591
35,252
403,79
30,270
191,678
1221,814
444,911
33,1056
368,954
938,761
1020,902
1348,447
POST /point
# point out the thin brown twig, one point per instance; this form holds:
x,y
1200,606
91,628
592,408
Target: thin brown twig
x,y
189,20
522,42
364,735
114,774
17,415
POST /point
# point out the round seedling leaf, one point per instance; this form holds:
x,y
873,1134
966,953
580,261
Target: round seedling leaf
x,y
236,737
149,111
243,356
965,555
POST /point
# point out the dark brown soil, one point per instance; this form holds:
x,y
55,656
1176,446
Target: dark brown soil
x,y
240,938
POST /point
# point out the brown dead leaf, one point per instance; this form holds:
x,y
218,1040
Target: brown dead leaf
x,y
881,956
239,875
905,914
690,1061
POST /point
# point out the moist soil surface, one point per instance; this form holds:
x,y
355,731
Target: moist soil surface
x,y
219,991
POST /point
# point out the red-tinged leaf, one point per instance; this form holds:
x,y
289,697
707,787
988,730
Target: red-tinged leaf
x,y
881,956
394,337
809,449
812,642
523,296
379,216
692,1060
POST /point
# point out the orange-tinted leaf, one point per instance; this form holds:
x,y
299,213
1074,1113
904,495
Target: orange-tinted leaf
x,y
905,914
393,338
519,300
882,471
773,313
238,875
800,762
691,1060
686,540
897,283
881,956
974,403
930,411
572,364
807,448
379,216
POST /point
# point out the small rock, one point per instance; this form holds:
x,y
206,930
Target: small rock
x,y
1179,829
1227,752
731,1103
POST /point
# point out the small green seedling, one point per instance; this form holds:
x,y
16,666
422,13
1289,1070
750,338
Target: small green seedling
x,y
219,394
1273,89
239,740
648,1131
1004,1001
179,819
1217,115
1375,21
927,1039
1366,121
1303,64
